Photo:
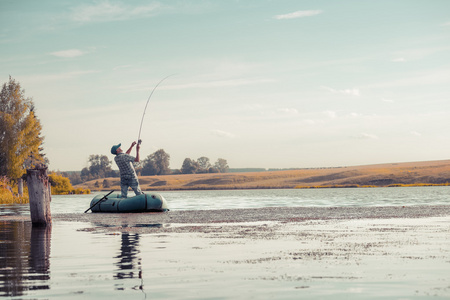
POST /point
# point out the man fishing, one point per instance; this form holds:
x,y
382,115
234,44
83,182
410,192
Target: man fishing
x,y
124,161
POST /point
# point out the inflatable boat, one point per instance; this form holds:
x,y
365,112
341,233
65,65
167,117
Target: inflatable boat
x,y
141,203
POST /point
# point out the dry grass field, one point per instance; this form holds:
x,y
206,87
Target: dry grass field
x,y
380,175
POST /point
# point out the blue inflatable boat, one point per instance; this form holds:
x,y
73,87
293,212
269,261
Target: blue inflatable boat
x,y
150,202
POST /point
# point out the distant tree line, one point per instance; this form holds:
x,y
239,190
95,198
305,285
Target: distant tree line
x,y
203,165
156,163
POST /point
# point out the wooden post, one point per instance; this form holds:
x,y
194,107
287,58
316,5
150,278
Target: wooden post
x,y
20,187
39,195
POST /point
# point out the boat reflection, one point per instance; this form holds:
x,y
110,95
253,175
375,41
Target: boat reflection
x,y
24,258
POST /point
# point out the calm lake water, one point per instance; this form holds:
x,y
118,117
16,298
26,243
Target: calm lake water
x,y
69,261
226,199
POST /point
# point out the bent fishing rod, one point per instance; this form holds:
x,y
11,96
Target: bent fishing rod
x,y
142,121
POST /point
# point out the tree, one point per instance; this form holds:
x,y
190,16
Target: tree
x,y
60,184
222,165
100,166
74,177
189,166
106,183
85,175
203,164
20,132
156,163
149,167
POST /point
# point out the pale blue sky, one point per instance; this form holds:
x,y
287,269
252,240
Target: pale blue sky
x,y
274,84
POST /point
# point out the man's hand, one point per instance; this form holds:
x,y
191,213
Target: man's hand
x,y
131,147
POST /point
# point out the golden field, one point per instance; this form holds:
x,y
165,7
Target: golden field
x,y
380,175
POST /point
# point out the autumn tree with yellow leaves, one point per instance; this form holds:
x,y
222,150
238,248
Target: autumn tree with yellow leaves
x,y
20,132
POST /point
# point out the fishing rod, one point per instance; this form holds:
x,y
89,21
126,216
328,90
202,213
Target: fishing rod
x,y
142,121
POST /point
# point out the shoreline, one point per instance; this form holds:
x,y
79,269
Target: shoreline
x,y
247,215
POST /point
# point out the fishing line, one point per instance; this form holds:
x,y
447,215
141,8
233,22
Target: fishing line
x,y
142,121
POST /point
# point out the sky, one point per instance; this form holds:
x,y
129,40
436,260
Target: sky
x,y
260,83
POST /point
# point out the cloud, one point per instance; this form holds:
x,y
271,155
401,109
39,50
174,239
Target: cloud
x,y
352,92
218,84
223,134
415,133
366,136
428,77
40,78
106,12
418,53
291,111
446,24
298,14
144,86
68,53
330,114
399,59
122,67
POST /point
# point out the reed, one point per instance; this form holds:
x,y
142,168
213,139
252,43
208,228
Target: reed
x,y
8,193
419,184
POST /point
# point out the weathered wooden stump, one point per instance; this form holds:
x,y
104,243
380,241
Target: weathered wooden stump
x,y
20,187
39,195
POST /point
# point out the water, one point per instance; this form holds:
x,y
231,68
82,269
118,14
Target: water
x,y
226,199
71,260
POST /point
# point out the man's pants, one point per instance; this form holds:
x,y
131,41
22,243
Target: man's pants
x,y
129,182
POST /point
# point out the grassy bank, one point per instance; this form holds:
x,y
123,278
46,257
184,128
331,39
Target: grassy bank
x,y
381,175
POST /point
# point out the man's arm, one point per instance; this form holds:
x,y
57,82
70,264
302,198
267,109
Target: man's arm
x,y
131,147
137,152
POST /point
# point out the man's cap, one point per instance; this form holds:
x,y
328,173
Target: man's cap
x,y
114,149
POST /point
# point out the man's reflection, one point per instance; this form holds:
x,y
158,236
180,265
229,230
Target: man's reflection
x,y
129,264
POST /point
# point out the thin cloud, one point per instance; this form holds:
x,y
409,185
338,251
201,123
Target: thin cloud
x,y
366,136
40,78
290,111
218,84
352,92
399,59
298,14
418,53
107,12
68,53
330,114
144,86
415,133
424,78
222,134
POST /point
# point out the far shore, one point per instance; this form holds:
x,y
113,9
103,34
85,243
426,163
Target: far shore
x,y
428,173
